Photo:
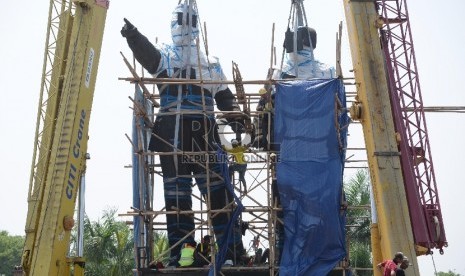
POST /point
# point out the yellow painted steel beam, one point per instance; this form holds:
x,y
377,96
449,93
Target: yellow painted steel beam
x,y
394,232
52,80
67,159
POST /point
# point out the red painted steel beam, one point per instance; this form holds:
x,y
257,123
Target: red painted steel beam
x,y
410,123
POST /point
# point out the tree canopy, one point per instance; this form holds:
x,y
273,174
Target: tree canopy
x,y
11,248
108,246
449,273
357,192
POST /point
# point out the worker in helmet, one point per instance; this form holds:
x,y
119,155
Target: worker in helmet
x,y
263,134
390,266
239,163
264,103
203,251
185,116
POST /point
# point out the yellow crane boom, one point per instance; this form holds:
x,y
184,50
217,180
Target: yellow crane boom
x,y
393,231
73,44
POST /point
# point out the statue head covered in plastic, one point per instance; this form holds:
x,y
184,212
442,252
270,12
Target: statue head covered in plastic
x,y
304,37
184,25
299,61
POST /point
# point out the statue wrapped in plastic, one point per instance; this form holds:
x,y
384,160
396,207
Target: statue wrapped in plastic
x,y
186,124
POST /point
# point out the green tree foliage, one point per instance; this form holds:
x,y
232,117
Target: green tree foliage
x,y
11,248
108,246
160,245
449,273
360,256
357,192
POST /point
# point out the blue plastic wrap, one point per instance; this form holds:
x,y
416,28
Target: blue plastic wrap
x,y
309,174
140,138
229,236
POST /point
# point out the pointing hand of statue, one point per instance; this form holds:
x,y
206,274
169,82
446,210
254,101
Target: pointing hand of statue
x,y
127,29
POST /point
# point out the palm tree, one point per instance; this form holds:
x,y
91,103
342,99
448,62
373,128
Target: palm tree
x,y
357,192
160,245
123,248
108,246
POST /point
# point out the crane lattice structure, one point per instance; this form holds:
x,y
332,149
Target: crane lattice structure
x,y
410,124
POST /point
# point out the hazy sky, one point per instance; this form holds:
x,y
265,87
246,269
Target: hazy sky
x,y
238,30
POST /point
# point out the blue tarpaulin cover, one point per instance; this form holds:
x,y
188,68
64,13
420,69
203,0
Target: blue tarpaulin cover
x,y
228,237
311,129
141,133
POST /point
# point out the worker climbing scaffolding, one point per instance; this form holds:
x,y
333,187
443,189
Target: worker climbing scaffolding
x,y
239,162
186,123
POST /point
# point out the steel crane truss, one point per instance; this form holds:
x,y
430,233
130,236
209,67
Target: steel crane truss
x,y
410,124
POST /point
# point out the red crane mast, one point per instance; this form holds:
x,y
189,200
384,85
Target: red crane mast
x,y
410,125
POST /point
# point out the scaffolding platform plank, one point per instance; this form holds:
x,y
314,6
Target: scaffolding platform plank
x,y
228,271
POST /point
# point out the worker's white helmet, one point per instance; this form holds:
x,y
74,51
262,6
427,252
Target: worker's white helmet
x,y
184,25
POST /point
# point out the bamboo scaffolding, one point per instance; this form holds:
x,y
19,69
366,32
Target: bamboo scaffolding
x,y
174,81
260,212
